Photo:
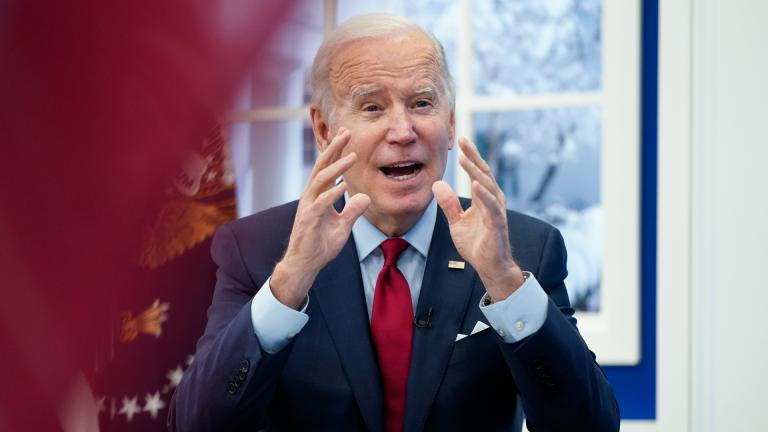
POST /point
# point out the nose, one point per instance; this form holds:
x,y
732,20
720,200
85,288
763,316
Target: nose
x,y
401,128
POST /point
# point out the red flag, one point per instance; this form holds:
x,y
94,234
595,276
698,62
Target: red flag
x,y
152,340
100,100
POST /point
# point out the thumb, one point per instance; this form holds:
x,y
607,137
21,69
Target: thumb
x,y
356,206
448,201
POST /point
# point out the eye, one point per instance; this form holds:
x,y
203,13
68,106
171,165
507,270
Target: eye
x,y
371,108
423,103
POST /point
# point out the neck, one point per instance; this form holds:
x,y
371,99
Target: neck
x,y
393,226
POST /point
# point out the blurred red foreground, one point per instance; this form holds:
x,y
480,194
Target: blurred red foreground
x,y
99,99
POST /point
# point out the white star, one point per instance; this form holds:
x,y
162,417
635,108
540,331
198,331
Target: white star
x,y
100,404
190,359
174,375
130,407
153,404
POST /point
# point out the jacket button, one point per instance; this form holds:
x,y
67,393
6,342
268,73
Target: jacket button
x,y
232,388
245,366
240,377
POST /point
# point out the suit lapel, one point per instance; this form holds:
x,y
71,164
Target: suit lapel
x,y
338,290
447,292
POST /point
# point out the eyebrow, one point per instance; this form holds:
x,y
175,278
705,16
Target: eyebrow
x,y
365,91
362,92
426,90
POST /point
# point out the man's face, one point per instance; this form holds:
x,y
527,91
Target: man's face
x,y
389,93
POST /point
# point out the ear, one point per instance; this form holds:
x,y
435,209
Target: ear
x,y
320,127
451,129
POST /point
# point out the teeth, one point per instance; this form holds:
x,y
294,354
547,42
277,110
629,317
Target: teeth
x,y
404,177
412,167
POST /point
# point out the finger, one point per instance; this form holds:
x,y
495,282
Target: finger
x,y
326,199
472,156
355,207
326,177
476,174
471,151
448,201
332,153
491,206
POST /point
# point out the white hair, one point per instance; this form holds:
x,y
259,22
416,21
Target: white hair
x,y
367,26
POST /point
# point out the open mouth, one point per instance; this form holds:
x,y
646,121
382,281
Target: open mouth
x,y
402,171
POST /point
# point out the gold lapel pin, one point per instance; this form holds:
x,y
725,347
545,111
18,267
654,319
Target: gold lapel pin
x,y
456,264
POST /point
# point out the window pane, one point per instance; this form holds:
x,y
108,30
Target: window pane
x,y
536,46
290,54
548,164
437,16
273,160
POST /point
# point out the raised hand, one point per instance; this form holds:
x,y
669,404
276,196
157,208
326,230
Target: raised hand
x,y
480,233
319,231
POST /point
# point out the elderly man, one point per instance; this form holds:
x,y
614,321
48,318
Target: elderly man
x,y
425,317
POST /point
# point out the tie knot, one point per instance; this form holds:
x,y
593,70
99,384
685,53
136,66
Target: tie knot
x,y
392,249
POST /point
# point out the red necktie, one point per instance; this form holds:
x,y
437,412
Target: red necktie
x,y
392,330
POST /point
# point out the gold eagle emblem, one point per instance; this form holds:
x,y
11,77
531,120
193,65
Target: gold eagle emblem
x,y
149,322
202,199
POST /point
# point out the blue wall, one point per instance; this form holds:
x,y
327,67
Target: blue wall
x,y
635,387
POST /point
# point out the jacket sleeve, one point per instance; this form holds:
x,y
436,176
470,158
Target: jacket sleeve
x,y
232,380
560,384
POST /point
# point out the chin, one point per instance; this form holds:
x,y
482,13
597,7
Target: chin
x,y
408,205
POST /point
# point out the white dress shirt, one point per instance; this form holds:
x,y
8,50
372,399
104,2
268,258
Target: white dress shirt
x,y
516,317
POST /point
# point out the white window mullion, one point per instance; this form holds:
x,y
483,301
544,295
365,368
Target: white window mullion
x,y
329,17
277,113
464,90
517,102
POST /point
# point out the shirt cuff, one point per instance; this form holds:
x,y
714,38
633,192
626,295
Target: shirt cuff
x,y
519,315
274,323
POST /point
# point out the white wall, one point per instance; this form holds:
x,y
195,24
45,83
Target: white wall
x,y
713,209
673,283
730,216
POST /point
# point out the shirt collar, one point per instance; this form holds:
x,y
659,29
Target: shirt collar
x,y
368,237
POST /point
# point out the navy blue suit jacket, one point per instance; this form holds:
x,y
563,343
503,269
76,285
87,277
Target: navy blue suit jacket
x,y
327,378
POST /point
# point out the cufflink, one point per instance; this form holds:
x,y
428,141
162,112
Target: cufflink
x,y
486,301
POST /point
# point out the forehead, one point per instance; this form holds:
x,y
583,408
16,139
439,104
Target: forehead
x,y
371,63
